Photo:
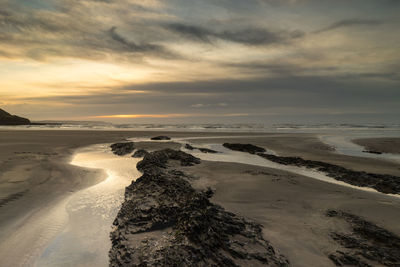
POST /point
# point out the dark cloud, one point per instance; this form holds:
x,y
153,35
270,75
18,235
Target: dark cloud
x,y
247,36
191,32
133,47
351,23
39,34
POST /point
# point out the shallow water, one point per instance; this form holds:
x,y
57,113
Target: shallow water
x,y
343,145
227,155
85,240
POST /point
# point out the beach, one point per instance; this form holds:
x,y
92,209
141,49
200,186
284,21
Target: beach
x,y
38,183
385,145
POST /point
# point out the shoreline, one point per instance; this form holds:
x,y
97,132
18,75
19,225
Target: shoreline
x,y
46,154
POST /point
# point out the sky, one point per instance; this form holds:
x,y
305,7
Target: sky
x,y
209,61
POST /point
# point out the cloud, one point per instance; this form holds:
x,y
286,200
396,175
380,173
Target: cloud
x,y
67,30
141,48
248,36
351,23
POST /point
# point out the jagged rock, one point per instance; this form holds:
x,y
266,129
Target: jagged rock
x,y
367,244
140,153
182,226
121,149
8,119
161,137
160,158
249,148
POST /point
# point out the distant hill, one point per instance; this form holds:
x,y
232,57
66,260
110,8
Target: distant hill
x,y
8,119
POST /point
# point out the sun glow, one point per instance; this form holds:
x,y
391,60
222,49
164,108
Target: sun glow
x,y
136,116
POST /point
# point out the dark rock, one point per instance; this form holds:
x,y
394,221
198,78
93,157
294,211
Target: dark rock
x,y
161,137
384,183
367,243
201,149
189,147
121,149
160,158
140,153
207,150
182,226
372,152
342,259
249,148
8,119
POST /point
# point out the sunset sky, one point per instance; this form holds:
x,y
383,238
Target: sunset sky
x,y
201,61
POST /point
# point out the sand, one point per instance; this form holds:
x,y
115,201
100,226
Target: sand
x,y
292,208
36,180
385,145
309,146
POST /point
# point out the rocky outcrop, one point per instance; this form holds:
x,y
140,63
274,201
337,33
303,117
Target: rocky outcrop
x,y
140,153
384,183
161,137
8,119
165,222
157,160
201,149
249,148
367,245
122,149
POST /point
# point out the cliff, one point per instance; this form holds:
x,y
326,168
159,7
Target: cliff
x,y
8,119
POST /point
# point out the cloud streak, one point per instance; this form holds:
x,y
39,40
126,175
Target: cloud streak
x,y
247,36
351,23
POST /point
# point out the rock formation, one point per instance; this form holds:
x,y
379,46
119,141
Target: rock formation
x,y
201,149
249,148
165,222
121,149
367,245
384,183
8,119
140,153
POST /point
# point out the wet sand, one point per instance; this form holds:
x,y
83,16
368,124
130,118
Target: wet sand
x,y
292,207
36,182
385,145
310,147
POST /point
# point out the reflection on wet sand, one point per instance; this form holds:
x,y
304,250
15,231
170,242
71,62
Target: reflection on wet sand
x,y
85,240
